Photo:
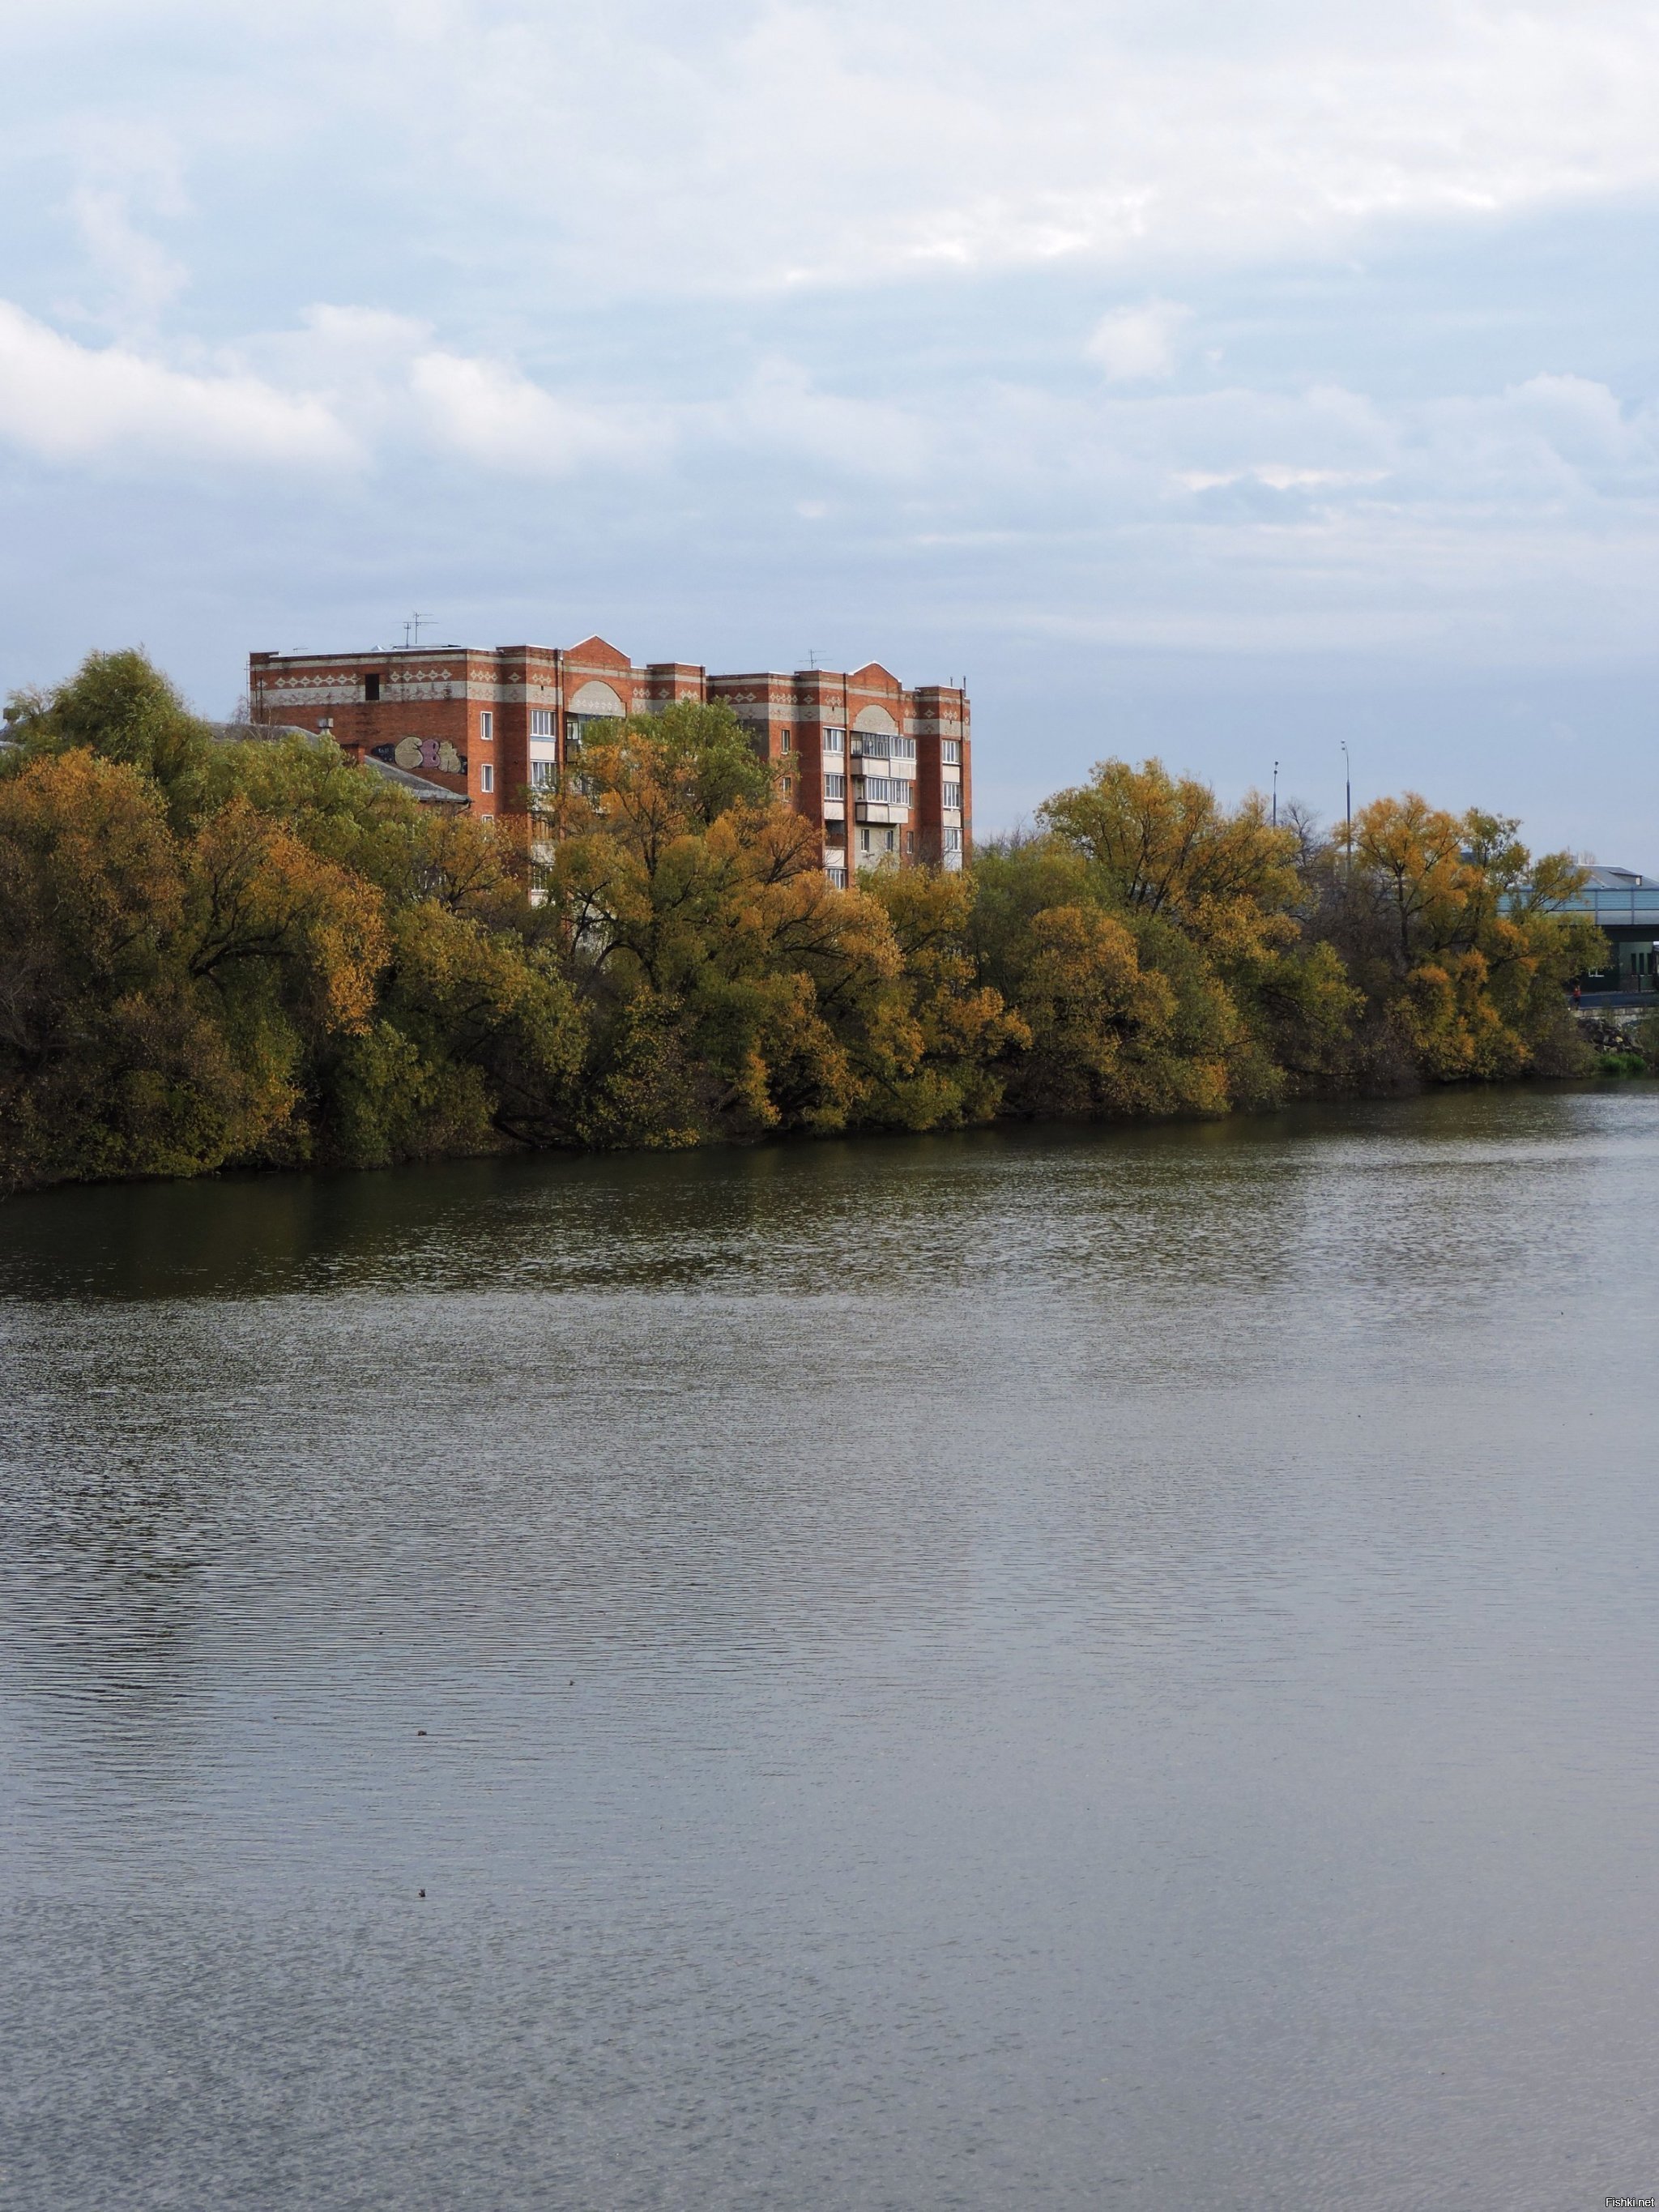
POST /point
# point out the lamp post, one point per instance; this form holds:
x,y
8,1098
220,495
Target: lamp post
x,y
1348,798
1275,794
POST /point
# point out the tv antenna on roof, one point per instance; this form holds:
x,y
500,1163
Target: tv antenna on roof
x,y
811,658
412,628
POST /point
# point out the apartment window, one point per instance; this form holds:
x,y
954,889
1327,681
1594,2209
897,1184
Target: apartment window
x,y
886,791
951,752
541,721
486,726
952,795
871,745
904,749
486,777
835,786
371,687
864,840
910,840
836,878
835,741
543,775
953,840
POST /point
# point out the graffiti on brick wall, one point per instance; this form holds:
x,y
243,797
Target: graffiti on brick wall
x,y
416,753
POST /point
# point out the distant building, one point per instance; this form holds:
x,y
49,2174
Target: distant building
x,y
883,773
1624,906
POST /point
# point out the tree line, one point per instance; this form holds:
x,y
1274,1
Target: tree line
x,y
260,955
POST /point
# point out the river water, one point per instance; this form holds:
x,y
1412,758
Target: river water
x,y
1016,1670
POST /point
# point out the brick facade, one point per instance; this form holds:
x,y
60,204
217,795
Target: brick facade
x,y
871,765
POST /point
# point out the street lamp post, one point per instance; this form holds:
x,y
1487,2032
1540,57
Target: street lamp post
x,y
1348,798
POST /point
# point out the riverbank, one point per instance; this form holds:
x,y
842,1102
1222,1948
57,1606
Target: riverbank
x,y
229,955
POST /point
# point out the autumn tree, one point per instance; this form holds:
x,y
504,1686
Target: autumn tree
x,y
960,1037
157,1015
1452,932
1163,846
729,989
257,953
120,708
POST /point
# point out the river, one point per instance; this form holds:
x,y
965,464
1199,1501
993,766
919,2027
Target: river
x,y
1043,1669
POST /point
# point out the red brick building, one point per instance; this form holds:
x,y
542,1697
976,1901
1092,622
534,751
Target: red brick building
x,y
883,772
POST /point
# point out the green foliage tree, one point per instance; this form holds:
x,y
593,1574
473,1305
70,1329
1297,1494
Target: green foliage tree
x,y
121,708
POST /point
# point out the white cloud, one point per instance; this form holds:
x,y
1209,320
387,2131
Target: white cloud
x,y
1137,344
781,409
803,143
143,277
1276,476
494,415
74,403
769,143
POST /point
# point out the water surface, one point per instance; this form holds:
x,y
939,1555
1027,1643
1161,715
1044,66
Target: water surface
x,y
1042,1670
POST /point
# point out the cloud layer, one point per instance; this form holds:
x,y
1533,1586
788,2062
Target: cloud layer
x,y
1303,335
639,147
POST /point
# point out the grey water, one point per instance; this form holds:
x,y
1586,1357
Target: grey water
x,y
1041,1670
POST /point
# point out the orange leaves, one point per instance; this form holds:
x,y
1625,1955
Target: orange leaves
x,y
259,898
1102,1026
1479,959
1456,1030
88,868
1163,846
1415,852
114,1059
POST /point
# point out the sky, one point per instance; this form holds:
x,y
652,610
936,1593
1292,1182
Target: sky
x,y
1224,382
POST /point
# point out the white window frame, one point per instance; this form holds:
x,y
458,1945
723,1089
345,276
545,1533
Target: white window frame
x,y
835,784
486,725
835,741
951,752
541,721
953,840
953,796
487,777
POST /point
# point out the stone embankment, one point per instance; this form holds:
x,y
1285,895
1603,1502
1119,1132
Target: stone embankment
x,y
1608,1029
1615,1035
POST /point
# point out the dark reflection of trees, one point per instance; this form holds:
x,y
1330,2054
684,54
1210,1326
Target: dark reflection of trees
x,y
681,1218
620,1219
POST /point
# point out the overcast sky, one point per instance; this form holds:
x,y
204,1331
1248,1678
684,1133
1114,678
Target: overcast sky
x,y
1220,380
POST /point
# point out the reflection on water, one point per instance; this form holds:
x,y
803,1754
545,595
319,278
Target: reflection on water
x,y
1052,1669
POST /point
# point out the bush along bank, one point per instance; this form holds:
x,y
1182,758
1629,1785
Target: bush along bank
x,y
260,955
